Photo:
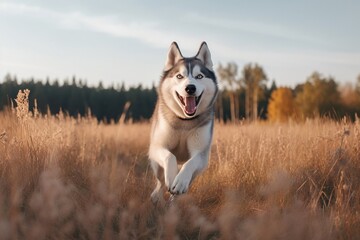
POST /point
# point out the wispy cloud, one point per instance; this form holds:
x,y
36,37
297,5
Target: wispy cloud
x,y
111,25
255,27
153,35
18,8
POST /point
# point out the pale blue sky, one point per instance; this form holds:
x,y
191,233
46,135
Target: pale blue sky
x,y
117,41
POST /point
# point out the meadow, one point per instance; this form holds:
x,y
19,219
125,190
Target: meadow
x,y
73,178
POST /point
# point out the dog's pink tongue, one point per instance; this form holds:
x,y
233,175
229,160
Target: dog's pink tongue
x,y
190,105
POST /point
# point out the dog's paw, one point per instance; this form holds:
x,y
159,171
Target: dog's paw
x,y
168,182
169,177
181,183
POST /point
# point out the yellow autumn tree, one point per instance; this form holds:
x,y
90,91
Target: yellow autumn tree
x,y
281,105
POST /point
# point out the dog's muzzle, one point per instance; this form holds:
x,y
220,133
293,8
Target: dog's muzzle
x,y
189,103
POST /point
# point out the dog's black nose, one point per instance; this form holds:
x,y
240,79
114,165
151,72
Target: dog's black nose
x,y
190,89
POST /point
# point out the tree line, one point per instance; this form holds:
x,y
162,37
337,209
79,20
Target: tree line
x,y
75,98
243,95
318,96
250,98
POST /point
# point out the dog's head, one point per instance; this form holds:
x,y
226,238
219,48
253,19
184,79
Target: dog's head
x,y
188,85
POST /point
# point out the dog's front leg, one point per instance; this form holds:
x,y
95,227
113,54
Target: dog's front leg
x,y
188,172
167,161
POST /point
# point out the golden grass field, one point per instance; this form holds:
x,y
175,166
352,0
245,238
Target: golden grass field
x,y
66,178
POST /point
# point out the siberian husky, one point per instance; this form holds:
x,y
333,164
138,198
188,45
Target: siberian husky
x,y
182,123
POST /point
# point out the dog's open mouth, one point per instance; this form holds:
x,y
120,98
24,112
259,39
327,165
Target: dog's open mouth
x,y
189,103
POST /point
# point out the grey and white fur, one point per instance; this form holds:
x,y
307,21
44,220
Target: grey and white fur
x,y
183,120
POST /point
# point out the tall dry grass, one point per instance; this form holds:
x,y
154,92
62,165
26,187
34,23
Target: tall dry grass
x,y
66,178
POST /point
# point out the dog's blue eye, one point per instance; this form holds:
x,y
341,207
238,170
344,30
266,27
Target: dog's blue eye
x,y
199,76
179,76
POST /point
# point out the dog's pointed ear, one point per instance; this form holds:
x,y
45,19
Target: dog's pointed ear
x,y
204,55
173,56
